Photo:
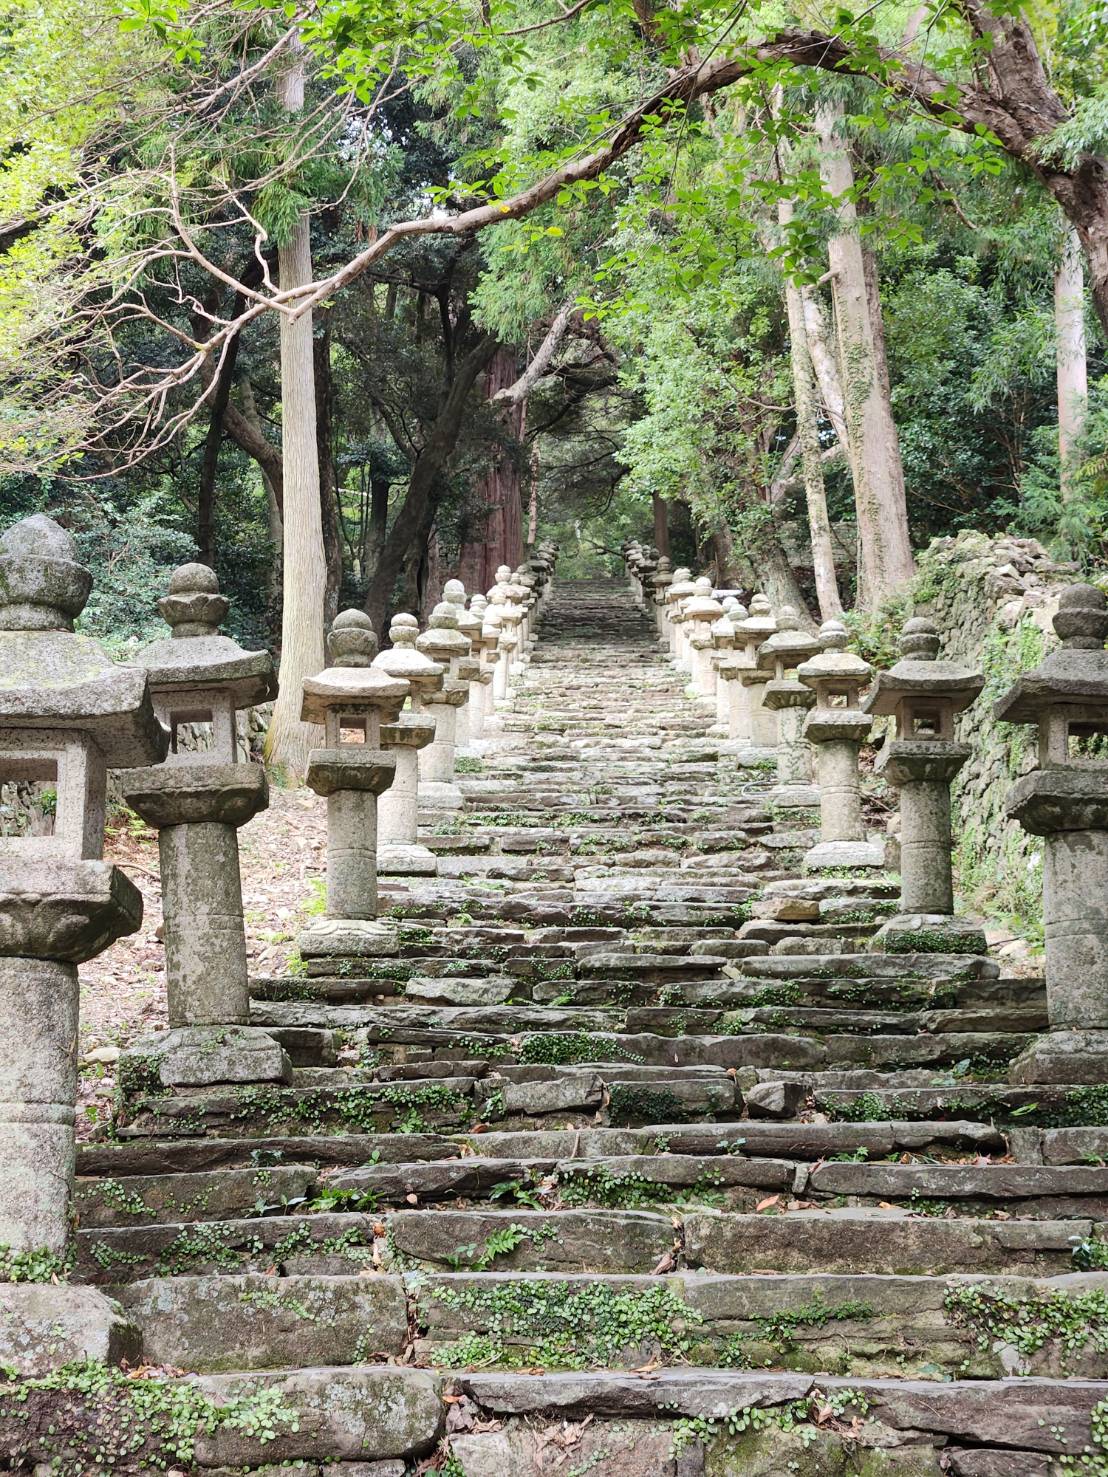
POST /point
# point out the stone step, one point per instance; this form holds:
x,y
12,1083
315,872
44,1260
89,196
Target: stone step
x,y
813,1422
866,1325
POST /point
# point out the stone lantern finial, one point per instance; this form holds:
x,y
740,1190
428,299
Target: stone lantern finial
x,y
42,586
193,605
351,641
919,640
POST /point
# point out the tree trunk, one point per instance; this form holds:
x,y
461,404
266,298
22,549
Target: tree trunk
x,y
378,522
885,552
661,524
251,419
815,494
1072,365
497,535
305,568
328,480
406,540
209,466
817,332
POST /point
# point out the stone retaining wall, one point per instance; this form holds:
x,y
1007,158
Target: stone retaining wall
x,y
994,600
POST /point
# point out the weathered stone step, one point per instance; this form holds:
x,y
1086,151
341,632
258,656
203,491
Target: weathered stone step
x,y
365,1421
1023,1421
874,1240
1042,1106
266,1322
798,1141
525,1240
865,1324
320,1243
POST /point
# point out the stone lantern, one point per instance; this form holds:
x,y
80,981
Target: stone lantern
x,y
398,848
354,701
496,636
483,644
68,713
467,668
443,643
724,636
699,612
660,583
1065,801
197,800
923,694
836,727
788,697
758,724
679,589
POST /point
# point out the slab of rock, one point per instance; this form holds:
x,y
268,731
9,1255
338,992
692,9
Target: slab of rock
x,y
343,1414
256,1322
44,1325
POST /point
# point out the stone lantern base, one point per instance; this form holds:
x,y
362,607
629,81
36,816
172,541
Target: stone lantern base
x,y
407,861
1072,1057
844,854
440,795
203,1056
328,940
928,933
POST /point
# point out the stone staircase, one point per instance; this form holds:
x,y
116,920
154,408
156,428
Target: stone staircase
x,y
631,1160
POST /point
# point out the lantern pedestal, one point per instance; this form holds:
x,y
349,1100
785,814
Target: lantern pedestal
x,y
922,770
1069,809
398,848
197,810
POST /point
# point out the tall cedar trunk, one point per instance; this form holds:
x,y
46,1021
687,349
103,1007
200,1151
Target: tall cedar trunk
x,y
305,567
817,332
405,545
498,533
378,522
885,552
328,480
661,524
249,414
213,440
1072,364
819,525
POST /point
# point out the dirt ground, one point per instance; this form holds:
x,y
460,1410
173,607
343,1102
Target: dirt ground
x,y
123,990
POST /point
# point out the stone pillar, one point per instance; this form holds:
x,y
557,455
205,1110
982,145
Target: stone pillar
x,y
398,848
67,712
784,695
836,728
445,644
1065,801
197,800
923,694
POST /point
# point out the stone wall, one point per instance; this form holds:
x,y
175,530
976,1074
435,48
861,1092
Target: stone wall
x,y
994,600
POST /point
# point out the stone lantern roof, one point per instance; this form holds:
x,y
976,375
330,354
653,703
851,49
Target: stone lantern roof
x,y
680,587
196,654
789,645
834,669
351,682
760,623
53,678
442,641
920,674
1075,674
403,659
